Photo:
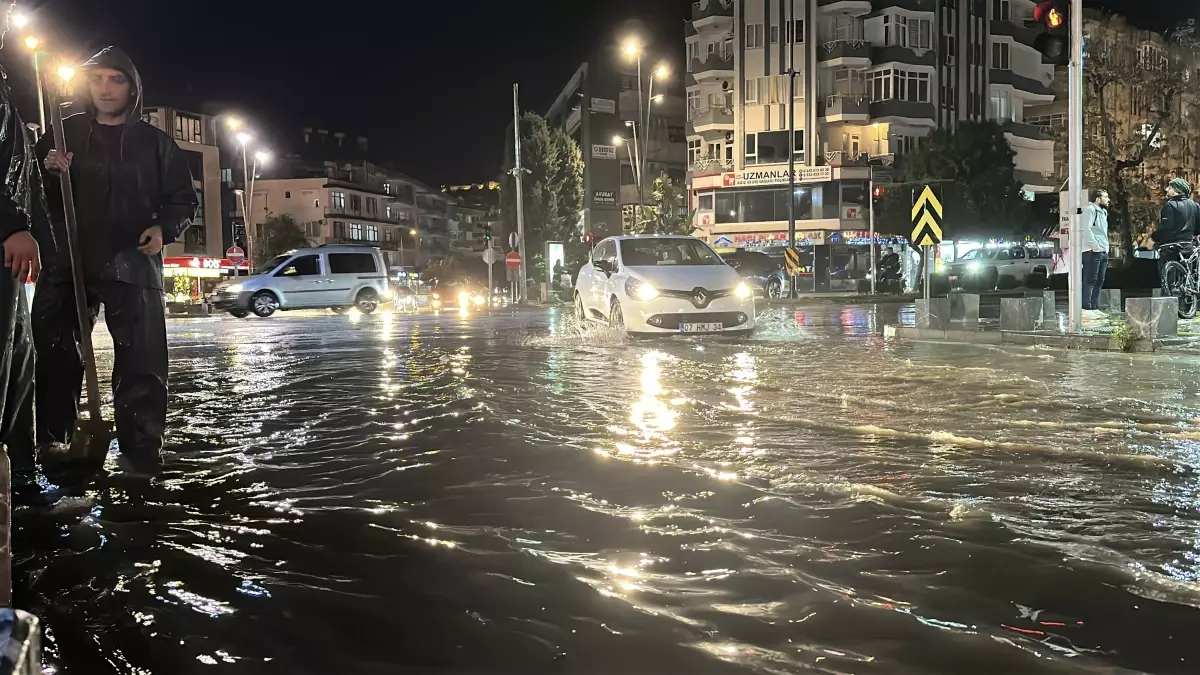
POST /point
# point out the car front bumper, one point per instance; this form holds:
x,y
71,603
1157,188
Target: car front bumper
x,y
665,315
224,302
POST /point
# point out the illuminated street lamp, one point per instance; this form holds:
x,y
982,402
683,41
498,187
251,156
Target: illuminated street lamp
x,y
20,20
67,73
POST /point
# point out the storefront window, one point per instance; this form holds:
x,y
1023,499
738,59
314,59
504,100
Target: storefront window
x,y
761,206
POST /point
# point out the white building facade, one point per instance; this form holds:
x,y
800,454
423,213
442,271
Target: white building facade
x,y
874,77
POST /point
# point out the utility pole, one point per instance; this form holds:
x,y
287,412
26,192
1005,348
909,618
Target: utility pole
x,y
519,174
791,72
1075,171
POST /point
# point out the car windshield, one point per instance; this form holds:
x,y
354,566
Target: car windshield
x,y
273,263
666,251
979,254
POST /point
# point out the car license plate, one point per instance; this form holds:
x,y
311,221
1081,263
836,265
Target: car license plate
x,y
954,278
700,327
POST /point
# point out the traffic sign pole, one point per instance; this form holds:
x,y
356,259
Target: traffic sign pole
x,y
871,226
927,216
1075,171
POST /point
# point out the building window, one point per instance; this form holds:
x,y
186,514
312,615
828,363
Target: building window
x,y
714,151
693,145
905,144
316,203
899,85
356,231
337,201
895,30
287,194
1001,10
387,188
372,233
188,128
751,91
793,32
751,149
372,206
693,102
754,35
1000,55
339,229
627,175
387,211
1002,108
774,35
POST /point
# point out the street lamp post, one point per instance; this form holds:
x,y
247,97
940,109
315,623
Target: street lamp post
x,y
634,50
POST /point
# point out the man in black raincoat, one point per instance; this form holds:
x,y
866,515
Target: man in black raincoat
x,y
133,195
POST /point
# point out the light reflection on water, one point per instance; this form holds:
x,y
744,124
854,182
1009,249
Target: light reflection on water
x,y
377,491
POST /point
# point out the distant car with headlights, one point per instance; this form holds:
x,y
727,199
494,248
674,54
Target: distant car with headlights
x,y
1005,266
334,277
763,273
663,284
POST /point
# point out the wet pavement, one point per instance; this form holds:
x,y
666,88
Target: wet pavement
x,y
516,494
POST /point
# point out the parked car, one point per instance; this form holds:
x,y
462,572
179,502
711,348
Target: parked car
x,y
1006,266
763,273
337,277
663,284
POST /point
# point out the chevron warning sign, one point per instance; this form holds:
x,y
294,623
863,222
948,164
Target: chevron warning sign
x,y
926,218
791,258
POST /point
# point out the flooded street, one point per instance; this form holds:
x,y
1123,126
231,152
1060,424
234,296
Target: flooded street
x,y
514,494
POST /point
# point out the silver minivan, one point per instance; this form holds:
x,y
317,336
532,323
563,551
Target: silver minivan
x,y
336,277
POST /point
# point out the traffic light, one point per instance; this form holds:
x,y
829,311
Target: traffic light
x,y
589,238
878,193
1055,42
487,232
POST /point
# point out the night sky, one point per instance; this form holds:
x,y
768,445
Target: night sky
x,y
429,82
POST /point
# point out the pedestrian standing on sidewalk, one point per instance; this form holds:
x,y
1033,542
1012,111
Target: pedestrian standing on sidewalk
x,y
133,196
1095,245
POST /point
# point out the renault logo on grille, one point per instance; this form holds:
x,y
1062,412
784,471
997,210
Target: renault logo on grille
x,y
699,297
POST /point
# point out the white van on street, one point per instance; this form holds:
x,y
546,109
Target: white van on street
x,y
337,277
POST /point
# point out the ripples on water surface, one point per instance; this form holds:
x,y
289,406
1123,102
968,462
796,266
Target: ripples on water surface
x,y
520,495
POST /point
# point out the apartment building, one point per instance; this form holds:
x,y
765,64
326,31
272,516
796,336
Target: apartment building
x,y
1129,105
872,79
195,135
599,109
474,211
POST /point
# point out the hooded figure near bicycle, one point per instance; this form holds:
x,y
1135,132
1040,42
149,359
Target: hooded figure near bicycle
x,y
1174,238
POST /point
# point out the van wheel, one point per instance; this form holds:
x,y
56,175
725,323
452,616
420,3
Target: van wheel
x,y
239,313
264,304
367,301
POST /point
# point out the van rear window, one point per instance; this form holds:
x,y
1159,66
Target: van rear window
x,y
352,263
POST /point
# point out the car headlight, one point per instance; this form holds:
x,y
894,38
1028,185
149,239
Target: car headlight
x,y
479,300
636,288
743,291
464,299
233,288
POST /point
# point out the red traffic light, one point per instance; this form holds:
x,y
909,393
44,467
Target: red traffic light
x,y
877,193
1049,14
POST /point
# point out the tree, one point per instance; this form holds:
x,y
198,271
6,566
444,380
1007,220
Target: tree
x,y
552,185
668,213
971,166
280,234
1137,96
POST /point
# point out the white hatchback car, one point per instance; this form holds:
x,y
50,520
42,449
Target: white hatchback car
x,y
337,277
663,284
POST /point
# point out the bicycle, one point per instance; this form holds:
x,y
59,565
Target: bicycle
x,y
1181,278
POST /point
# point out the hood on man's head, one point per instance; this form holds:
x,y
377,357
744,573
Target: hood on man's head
x,y
113,57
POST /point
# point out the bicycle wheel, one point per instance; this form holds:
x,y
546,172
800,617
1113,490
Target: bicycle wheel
x,y
1175,283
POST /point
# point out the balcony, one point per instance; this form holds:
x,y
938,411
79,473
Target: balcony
x,y
707,9
881,55
846,158
907,109
1018,32
707,165
855,52
845,108
1026,84
714,66
345,214
712,118
1022,130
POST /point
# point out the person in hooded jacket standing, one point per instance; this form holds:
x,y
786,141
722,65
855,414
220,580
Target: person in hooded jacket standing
x,y
133,195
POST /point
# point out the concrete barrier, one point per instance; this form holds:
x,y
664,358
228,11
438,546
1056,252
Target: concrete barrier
x,y
933,314
1153,317
1048,308
964,310
1110,300
1021,314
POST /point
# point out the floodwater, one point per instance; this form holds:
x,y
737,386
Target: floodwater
x,y
515,494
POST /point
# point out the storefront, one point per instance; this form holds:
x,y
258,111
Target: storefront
x,y
189,280
830,260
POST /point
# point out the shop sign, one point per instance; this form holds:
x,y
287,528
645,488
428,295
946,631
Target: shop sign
x,y
604,105
763,239
600,151
604,198
753,177
203,263
722,242
853,212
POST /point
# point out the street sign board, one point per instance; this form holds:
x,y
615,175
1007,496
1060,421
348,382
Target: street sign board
x,y
926,218
791,258
513,260
235,254
489,255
